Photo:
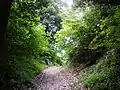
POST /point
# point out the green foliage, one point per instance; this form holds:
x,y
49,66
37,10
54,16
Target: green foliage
x,y
109,34
77,34
24,69
28,44
88,39
102,76
84,3
86,35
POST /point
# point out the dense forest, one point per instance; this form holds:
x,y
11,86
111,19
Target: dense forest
x,y
79,34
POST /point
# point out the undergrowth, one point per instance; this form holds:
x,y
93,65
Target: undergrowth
x,y
102,76
25,70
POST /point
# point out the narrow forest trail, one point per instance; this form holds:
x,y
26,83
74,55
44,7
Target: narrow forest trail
x,y
57,78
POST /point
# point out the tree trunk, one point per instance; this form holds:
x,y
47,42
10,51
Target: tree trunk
x,y
5,6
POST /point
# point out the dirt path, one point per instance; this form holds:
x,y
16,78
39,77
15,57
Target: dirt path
x,y
57,78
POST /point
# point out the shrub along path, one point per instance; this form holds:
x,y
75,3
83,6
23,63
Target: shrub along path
x,y
58,78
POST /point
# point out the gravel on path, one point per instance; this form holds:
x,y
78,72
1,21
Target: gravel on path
x,y
57,78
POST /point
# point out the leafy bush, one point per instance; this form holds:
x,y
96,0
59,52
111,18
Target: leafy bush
x,y
24,69
102,76
28,44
